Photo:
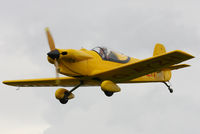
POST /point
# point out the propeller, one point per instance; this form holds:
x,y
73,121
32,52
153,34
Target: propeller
x,y
57,72
50,39
53,54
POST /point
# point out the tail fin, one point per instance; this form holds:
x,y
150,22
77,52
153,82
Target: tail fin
x,y
165,74
159,49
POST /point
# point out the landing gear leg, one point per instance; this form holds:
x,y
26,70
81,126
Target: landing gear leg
x,y
169,87
81,83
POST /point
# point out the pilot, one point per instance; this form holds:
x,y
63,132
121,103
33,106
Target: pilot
x,y
103,53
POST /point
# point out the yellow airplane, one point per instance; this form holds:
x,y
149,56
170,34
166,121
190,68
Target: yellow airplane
x,y
105,68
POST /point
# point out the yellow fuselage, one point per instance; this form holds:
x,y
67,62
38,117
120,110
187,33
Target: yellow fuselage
x,y
93,64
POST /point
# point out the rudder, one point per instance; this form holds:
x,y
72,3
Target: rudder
x,y
159,49
166,73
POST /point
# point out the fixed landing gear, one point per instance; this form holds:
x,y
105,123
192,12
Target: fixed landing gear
x,y
109,94
169,87
64,101
66,97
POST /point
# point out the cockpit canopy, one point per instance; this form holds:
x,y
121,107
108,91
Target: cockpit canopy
x,y
110,55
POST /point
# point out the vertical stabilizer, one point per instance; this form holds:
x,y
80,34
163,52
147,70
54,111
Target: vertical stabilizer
x,y
159,49
164,74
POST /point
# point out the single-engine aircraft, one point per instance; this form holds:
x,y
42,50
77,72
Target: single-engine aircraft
x,y
105,68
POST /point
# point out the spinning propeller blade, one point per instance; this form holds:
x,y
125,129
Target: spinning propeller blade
x,y
57,72
53,53
50,39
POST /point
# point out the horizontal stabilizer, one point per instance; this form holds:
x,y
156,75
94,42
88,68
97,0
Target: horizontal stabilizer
x,y
175,67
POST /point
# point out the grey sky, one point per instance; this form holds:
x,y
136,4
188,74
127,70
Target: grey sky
x,y
130,26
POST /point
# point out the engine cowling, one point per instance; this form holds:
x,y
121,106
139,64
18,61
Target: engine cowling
x,y
63,93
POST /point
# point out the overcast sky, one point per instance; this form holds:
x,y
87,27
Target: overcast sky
x,y
130,26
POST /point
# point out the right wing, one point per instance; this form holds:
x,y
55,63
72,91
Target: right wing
x,y
144,67
49,82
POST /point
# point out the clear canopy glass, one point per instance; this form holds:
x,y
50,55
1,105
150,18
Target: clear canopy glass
x,y
110,55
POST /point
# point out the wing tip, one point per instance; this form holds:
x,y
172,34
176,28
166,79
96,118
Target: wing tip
x,y
7,83
182,52
4,82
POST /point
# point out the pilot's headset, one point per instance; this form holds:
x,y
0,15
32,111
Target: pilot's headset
x,y
105,50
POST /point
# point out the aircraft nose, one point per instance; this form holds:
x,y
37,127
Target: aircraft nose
x,y
54,54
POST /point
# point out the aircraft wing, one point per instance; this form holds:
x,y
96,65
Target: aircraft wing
x,y
49,82
143,67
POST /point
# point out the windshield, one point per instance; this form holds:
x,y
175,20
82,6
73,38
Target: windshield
x,y
107,54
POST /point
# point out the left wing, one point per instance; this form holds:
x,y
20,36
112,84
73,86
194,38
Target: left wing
x,y
49,82
144,67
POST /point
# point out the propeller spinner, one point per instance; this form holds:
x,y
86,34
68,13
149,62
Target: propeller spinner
x,y
54,54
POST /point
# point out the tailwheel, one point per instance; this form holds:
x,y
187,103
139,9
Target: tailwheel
x,y
108,93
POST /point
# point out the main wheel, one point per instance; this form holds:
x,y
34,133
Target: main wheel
x,y
63,101
107,93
